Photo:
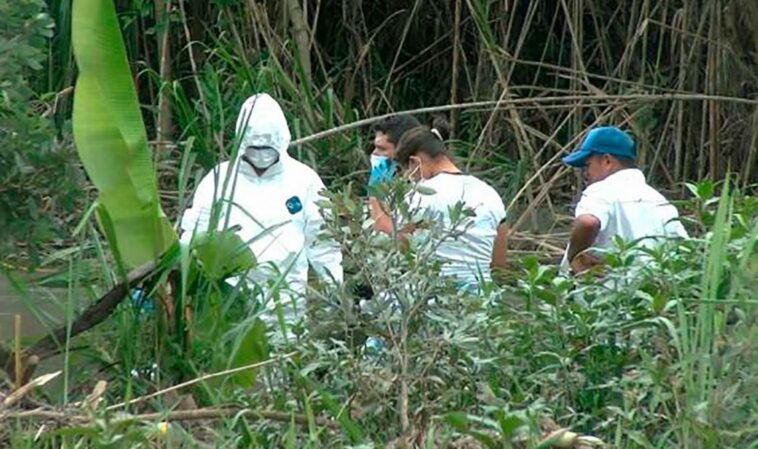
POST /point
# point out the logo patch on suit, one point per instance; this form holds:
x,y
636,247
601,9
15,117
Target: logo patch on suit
x,y
294,205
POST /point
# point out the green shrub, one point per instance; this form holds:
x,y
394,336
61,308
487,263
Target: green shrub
x,y
40,185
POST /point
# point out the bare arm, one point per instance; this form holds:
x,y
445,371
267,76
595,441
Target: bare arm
x,y
500,248
382,220
583,235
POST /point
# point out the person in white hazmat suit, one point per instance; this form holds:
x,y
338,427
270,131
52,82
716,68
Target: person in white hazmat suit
x,y
271,202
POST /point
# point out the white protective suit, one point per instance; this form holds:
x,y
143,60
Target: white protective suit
x,y
276,212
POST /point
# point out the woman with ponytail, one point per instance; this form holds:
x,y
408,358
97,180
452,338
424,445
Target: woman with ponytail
x,y
468,255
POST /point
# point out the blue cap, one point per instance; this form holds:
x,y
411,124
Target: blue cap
x,y
602,140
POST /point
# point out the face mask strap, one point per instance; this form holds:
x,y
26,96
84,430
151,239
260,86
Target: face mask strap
x,y
410,174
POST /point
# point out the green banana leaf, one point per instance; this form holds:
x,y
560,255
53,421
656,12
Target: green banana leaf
x,y
111,140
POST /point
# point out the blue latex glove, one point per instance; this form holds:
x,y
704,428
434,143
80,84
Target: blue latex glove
x,y
141,301
382,171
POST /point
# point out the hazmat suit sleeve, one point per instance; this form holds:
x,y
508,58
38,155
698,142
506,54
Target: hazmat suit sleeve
x,y
197,217
323,254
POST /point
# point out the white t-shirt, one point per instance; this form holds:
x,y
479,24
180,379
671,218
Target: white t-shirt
x,y
628,207
468,253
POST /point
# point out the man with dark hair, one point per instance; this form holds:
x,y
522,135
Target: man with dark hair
x,y
617,201
387,134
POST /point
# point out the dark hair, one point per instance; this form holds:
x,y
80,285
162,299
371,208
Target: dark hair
x,y
626,162
424,139
395,126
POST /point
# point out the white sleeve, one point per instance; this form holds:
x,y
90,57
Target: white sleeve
x,y
421,206
498,210
197,217
323,254
593,204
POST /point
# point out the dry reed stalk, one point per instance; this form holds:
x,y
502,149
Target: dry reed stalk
x,y
569,72
658,159
364,51
574,25
524,146
219,138
643,33
712,87
250,15
164,121
549,162
684,32
456,62
523,101
69,418
401,43
749,171
301,34
25,389
682,75
203,378
541,195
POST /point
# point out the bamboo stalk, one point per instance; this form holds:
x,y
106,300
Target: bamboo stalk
x,y
524,101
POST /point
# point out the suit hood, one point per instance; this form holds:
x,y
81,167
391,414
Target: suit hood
x,y
261,122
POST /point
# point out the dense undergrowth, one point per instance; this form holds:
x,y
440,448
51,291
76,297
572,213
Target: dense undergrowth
x,y
658,352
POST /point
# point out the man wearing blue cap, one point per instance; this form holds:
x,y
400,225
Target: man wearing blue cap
x,y
617,201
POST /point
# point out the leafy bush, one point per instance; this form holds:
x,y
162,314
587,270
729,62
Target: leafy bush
x,y
39,184
656,353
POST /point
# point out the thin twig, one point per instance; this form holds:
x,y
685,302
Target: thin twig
x,y
202,379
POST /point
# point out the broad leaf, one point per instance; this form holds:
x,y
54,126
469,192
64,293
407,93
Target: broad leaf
x,y
110,137
250,348
222,254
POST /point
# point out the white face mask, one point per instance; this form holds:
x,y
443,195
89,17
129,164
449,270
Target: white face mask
x,y
261,158
376,160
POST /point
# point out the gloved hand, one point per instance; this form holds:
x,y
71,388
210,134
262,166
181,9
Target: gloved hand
x,y
382,170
